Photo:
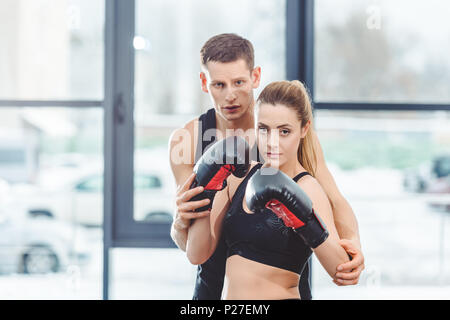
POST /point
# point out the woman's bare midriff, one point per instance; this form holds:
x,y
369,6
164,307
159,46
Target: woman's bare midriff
x,y
250,280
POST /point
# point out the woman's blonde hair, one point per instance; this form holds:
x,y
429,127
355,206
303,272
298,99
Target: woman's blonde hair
x,y
294,95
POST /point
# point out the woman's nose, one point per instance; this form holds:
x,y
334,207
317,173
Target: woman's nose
x,y
273,140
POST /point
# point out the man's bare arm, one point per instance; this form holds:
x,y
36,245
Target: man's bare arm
x,y
181,154
179,228
344,217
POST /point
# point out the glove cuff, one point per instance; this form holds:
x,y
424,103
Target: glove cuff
x,y
313,232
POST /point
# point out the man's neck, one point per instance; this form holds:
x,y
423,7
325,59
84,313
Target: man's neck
x,y
246,122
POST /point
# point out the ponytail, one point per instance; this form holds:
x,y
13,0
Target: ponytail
x,y
307,153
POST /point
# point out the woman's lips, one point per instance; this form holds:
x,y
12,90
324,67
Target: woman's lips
x,y
271,154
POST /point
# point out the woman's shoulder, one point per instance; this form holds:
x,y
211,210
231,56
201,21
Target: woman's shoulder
x,y
312,187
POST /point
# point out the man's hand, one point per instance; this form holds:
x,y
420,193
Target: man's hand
x,y
185,208
348,273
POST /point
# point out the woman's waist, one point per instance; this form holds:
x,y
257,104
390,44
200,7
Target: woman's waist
x,y
248,279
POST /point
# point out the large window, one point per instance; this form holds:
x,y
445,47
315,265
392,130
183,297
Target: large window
x,y
382,51
50,228
391,166
51,50
51,145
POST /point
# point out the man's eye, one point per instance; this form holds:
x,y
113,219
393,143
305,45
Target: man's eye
x,y
218,85
239,82
262,130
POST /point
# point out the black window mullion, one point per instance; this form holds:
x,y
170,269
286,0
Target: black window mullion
x,y
300,42
125,230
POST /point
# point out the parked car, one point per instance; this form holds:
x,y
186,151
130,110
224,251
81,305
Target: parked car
x,y
440,187
38,245
18,160
79,198
425,177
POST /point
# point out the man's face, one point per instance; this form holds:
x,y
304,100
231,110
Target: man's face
x,y
230,86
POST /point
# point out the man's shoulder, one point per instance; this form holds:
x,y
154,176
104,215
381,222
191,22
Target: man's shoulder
x,y
191,125
186,137
187,128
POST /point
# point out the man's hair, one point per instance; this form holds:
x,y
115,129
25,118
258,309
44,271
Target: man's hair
x,y
227,47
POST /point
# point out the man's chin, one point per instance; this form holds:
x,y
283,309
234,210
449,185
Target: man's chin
x,y
233,116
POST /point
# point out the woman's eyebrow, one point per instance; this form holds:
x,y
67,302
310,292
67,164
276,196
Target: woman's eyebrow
x,y
284,125
281,125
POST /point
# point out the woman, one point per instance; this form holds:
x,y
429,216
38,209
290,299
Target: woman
x,y
265,258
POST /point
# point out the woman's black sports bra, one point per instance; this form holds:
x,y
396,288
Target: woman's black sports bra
x,y
262,236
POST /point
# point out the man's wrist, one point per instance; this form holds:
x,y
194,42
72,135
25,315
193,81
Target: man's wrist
x,y
180,225
355,240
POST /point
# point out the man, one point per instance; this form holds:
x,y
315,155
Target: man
x,y
229,77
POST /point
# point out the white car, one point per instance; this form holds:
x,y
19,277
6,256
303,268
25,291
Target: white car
x,y
79,198
153,199
40,244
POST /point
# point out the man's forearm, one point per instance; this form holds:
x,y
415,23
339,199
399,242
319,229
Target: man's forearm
x,y
345,221
179,237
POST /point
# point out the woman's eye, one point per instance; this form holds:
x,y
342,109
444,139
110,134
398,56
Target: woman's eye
x,y
262,130
285,132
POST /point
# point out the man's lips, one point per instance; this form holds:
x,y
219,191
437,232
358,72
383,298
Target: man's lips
x,y
231,107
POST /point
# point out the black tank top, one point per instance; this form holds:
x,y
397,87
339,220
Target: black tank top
x,y
262,236
207,136
206,124
211,274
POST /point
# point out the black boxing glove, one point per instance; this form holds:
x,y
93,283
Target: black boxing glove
x,y
288,201
225,157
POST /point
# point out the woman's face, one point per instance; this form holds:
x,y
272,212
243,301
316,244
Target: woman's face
x,y
278,132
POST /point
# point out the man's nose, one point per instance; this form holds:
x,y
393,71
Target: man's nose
x,y
231,95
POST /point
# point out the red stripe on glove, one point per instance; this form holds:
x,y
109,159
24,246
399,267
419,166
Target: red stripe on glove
x,y
216,182
289,219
